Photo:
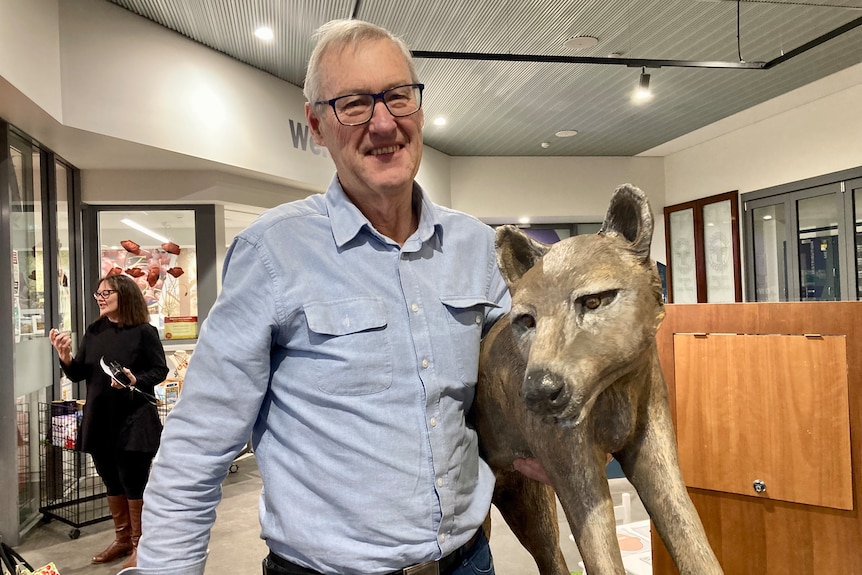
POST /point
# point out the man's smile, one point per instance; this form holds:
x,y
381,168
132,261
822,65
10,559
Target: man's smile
x,y
386,150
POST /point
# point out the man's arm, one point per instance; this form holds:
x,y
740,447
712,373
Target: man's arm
x,y
221,397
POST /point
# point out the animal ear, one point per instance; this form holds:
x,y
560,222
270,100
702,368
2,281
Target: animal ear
x,y
629,216
516,252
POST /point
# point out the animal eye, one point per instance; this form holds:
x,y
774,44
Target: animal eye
x,y
596,300
592,302
524,321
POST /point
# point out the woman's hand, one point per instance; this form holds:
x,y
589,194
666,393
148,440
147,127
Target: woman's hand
x,y
132,379
62,342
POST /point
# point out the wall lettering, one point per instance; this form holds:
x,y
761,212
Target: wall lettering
x,y
302,141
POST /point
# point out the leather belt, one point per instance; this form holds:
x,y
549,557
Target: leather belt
x,y
277,565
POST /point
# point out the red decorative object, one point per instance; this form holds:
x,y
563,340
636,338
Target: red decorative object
x,y
135,272
153,276
171,248
131,247
115,271
176,271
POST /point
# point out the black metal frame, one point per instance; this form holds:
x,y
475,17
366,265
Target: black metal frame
x,y
640,62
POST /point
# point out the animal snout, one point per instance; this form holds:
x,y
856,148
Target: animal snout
x,y
545,392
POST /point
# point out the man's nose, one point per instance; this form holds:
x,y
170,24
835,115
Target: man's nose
x,y
381,117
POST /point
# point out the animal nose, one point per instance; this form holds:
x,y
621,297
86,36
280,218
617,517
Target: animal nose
x,y
544,392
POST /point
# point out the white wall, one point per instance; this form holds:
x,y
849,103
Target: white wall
x,y
434,176
126,77
182,186
30,51
811,131
554,190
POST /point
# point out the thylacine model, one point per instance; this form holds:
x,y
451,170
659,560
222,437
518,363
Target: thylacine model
x,y
573,374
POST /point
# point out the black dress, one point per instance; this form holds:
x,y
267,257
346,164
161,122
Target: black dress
x,y
118,419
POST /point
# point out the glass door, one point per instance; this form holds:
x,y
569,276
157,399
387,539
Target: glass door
x,y
769,244
683,269
796,245
818,242
853,191
32,361
156,248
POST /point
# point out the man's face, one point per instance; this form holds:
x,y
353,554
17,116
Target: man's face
x,y
380,157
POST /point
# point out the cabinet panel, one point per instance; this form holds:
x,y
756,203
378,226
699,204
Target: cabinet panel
x,y
766,408
768,536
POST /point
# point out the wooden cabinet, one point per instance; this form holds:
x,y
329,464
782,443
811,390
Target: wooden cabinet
x,y
769,392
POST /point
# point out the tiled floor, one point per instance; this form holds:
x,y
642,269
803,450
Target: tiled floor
x,y
235,546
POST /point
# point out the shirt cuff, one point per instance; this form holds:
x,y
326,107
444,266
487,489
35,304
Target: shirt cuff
x,y
196,568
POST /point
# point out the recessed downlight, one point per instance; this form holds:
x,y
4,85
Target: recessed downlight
x,y
265,33
566,133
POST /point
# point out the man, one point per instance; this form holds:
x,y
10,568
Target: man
x,y
345,342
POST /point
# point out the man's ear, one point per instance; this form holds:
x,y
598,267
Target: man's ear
x,y
313,124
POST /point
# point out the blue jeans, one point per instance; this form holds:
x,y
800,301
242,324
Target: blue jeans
x,y
480,561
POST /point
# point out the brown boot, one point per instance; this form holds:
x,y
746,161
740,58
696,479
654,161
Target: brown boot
x,y
135,508
122,543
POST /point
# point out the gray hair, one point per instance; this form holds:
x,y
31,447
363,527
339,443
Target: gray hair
x,y
338,34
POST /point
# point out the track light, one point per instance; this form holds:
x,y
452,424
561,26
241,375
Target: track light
x,y
643,91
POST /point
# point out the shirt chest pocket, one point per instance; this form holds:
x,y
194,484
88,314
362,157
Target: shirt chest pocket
x,y
466,315
350,344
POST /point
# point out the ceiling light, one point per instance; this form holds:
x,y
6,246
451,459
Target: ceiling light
x,y
265,33
144,230
566,133
580,42
524,220
643,91
545,145
439,121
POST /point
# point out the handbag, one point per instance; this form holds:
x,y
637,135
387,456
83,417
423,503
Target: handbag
x,y
11,563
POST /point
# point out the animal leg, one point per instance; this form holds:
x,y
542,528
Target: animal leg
x,y
582,486
651,464
530,510
591,517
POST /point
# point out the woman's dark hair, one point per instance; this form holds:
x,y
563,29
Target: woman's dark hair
x,y
131,307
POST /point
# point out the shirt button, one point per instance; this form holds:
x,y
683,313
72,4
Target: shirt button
x,y
433,422
439,482
425,364
442,537
415,307
479,318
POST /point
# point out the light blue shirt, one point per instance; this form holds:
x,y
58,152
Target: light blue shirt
x,y
351,361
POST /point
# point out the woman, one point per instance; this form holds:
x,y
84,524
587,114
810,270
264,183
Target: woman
x,y
120,428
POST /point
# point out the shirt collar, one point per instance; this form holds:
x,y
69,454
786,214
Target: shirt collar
x,y
348,221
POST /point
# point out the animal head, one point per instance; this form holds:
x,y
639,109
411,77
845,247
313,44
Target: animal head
x,y
584,310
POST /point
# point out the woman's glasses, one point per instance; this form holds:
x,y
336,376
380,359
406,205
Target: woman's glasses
x,y
103,294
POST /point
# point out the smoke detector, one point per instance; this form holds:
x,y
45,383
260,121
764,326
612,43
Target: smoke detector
x,y
580,42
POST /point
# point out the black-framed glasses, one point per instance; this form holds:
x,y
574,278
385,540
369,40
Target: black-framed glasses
x,y
356,109
104,294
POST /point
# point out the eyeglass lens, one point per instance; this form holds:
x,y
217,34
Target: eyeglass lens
x,y
355,109
104,293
